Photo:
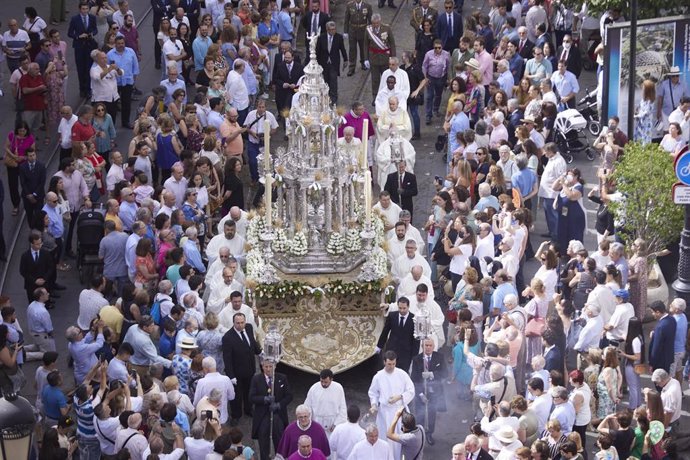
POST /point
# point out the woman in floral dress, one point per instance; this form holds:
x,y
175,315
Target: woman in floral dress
x,y
608,384
644,114
211,340
639,275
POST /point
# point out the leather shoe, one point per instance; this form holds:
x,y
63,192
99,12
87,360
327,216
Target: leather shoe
x,y
59,287
430,439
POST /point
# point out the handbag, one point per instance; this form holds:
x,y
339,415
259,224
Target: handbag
x,y
640,368
452,315
535,327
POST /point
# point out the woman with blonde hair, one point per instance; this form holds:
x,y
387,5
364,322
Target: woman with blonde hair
x,y
219,62
554,438
181,400
536,310
496,180
475,101
645,113
210,339
638,277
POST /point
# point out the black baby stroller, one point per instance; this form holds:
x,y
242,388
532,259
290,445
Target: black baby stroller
x,y
89,234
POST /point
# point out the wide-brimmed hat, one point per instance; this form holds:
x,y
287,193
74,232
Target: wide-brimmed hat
x,y
673,71
188,343
656,431
472,62
506,434
528,119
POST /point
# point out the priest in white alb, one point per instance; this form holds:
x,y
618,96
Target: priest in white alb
x,y
241,219
346,435
221,290
408,284
229,239
404,263
390,389
421,297
326,399
396,242
410,230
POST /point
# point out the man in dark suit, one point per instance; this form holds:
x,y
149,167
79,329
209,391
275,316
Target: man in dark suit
x,y
525,45
514,119
543,38
82,29
398,335
329,48
570,53
287,73
36,266
662,338
239,349
449,27
191,10
552,354
314,22
430,367
270,392
32,177
402,186
474,449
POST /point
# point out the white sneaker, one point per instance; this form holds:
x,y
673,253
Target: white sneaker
x,y
264,96
1,93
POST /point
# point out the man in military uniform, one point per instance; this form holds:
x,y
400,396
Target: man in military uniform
x,y
357,18
422,12
379,45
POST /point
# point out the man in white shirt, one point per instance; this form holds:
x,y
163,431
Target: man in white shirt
x,y
554,169
671,397
211,380
326,399
485,246
681,115
177,184
547,92
541,405
173,51
116,173
617,326
179,18
590,335
237,92
371,447
502,420
602,297
505,78
122,11
404,263
67,120
107,427
346,435
563,410
131,439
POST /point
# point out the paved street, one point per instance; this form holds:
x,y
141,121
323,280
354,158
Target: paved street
x,y
451,426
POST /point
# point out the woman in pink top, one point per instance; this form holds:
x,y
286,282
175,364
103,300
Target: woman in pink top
x,y
167,243
18,141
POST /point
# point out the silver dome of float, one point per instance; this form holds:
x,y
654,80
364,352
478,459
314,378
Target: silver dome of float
x,y
319,188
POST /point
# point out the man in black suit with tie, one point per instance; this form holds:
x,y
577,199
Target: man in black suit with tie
x,y
525,45
571,55
449,27
239,349
429,366
398,335
662,338
402,186
270,393
287,73
82,29
514,117
553,356
314,22
474,449
36,266
32,177
329,47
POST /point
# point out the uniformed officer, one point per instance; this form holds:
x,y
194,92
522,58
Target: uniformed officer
x,y
422,12
357,18
379,46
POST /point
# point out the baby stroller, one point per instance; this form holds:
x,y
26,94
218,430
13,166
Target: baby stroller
x,y
90,231
571,136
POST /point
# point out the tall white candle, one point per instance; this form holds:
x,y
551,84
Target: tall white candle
x,y
367,199
268,201
267,145
365,141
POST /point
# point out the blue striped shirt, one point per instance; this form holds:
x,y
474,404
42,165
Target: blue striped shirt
x,y
85,426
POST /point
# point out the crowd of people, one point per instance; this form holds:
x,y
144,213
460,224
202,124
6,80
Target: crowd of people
x,y
165,346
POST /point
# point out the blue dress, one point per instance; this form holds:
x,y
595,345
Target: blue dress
x,y
461,369
644,122
165,156
571,219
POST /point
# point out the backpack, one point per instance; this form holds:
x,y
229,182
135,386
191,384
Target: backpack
x,y
156,312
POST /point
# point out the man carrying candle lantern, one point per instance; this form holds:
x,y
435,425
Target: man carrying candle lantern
x,y
256,127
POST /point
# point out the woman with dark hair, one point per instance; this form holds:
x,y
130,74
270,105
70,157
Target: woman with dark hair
x,y
50,447
617,425
233,188
418,82
634,353
458,90
642,422
18,141
468,341
145,276
583,283
434,226
35,26
548,113
460,250
608,384
424,41
183,35
571,212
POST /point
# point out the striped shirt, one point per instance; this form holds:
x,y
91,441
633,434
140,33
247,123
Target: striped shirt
x,y
85,426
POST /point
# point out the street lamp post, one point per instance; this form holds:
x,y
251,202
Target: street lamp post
x,y
631,69
682,284
17,423
273,351
422,331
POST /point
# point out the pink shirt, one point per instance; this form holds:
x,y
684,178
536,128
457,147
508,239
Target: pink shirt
x,y
486,67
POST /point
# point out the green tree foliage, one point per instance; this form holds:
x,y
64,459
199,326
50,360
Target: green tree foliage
x,y
645,177
646,9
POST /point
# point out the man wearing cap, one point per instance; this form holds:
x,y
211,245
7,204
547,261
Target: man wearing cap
x,y
671,397
617,326
669,94
661,339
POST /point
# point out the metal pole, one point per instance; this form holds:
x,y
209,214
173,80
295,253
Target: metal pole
x,y
631,69
682,284
272,390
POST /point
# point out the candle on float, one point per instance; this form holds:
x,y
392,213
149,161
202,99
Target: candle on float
x,y
367,198
267,144
365,141
268,200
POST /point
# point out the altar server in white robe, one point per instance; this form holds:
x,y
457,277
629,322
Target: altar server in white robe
x,y
435,313
221,290
404,263
229,239
389,210
397,241
241,221
226,316
372,447
346,435
390,389
214,273
326,399
408,284
411,232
